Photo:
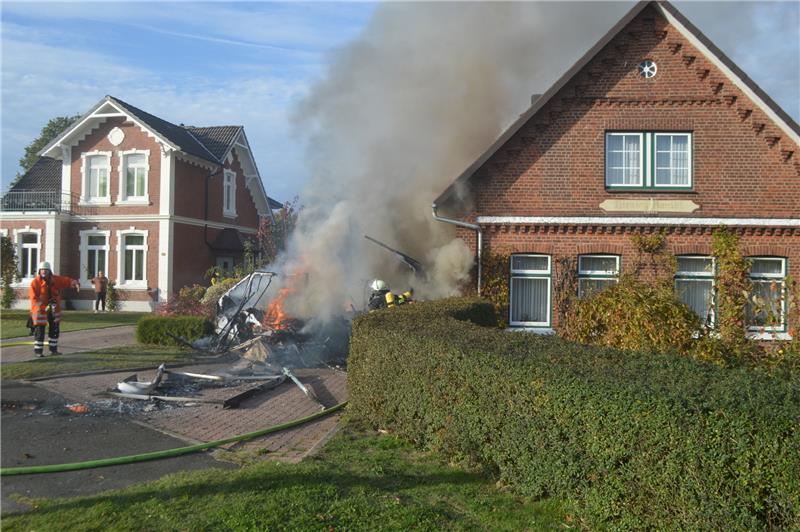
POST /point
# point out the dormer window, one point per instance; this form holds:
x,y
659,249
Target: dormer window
x,y
229,194
133,171
648,160
96,169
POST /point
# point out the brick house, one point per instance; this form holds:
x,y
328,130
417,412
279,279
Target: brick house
x,y
151,203
654,129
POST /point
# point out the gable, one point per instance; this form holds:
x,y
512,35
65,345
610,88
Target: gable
x,y
607,75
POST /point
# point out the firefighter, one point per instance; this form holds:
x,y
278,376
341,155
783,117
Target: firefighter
x,y
382,296
45,296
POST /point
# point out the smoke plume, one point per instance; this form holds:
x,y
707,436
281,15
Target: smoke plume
x,y
401,112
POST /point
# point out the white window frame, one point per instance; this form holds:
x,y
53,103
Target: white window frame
x,y
20,247
647,160
531,274
123,198
597,275
229,193
84,250
86,198
780,279
121,248
654,166
701,276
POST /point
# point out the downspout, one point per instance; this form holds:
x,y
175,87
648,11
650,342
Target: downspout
x,y
474,227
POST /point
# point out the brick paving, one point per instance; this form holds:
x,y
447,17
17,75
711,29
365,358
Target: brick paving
x,y
204,422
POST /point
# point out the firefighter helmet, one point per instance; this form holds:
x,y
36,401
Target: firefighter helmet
x,y
44,265
378,285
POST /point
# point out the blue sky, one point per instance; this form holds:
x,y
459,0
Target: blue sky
x,y
250,63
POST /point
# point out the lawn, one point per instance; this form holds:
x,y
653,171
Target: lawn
x,y
12,322
130,356
360,481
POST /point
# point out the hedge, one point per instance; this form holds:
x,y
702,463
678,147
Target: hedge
x,y
639,440
154,329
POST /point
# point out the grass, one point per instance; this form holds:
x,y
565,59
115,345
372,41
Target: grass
x,y
360,481
12,322
130,356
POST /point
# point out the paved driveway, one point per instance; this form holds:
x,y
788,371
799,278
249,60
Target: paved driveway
x,y
72,342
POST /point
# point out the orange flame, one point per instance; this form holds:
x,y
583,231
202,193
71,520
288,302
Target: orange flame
x,y
275,317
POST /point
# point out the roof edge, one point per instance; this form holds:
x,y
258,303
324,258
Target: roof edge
x,y
542,100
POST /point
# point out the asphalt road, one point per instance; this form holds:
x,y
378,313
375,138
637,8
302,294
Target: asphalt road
x,y
37,429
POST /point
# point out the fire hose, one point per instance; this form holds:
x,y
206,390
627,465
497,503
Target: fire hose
x,y
16,344
168,453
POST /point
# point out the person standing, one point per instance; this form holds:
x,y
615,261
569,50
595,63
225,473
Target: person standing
x,y
45,296
100,283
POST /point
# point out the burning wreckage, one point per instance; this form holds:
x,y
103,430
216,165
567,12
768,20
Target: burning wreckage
x,y
266,344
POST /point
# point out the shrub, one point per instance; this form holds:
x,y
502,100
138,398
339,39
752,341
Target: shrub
x,y
640,440
632,314
214,292
185,303
112,297
154,329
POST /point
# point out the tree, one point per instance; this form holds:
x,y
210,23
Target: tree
x,y
272,237
51,130
8,270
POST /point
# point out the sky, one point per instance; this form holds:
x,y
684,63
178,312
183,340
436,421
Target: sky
x,y
252,64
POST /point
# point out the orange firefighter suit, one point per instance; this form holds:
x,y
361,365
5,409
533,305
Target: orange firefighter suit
x,y
42,294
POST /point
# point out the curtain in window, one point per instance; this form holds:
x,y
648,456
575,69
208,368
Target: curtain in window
x,y
698,295
529,300
632,170
598,264
522,262
680,160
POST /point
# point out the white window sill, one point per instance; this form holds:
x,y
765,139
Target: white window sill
x,y
136,201
534,330
132,287
231,215
92,203
768,335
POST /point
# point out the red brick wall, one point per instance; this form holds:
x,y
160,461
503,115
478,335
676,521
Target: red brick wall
x,y
555,164
190,193
570,241
190,189
191,256
135,138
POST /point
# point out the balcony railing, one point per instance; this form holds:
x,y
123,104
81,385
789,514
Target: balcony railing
x,y
43,201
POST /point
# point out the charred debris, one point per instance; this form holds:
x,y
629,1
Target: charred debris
x,y
263,343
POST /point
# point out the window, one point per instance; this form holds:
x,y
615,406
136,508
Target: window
x,y
225,264
132,259
596,272
94,253
624,159
134,170
96,169
28,244
694,285
530,291
766,305
648,160
229,193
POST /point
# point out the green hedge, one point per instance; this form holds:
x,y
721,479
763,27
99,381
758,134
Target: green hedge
x,y
154,329
640,440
